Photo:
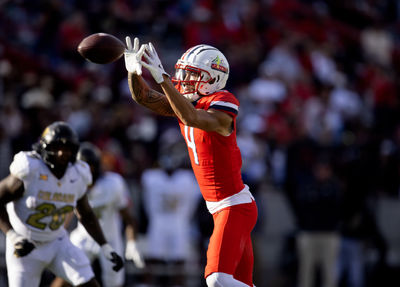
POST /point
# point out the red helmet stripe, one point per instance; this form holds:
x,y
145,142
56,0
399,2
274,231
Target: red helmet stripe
x,y
187,52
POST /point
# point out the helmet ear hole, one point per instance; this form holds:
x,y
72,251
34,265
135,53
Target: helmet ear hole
x,y
212,81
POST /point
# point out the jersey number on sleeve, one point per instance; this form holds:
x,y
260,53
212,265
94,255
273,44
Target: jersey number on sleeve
x,y
190,142
49,209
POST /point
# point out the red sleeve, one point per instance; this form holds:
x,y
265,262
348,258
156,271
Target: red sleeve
x,y
225,102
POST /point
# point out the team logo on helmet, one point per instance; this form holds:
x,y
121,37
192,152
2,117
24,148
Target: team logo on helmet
x,y
45,132
218,64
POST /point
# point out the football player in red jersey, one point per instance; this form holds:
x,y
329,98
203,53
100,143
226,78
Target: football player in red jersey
x,y
207,119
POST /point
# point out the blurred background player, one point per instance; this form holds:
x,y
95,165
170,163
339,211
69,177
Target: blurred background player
x,y
45,185
207,118
109,198
171,195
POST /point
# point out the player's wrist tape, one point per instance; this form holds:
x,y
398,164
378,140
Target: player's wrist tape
x,y
161,78
13,236
132,242
107,250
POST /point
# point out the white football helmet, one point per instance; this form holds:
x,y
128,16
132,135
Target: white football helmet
x,y
201,71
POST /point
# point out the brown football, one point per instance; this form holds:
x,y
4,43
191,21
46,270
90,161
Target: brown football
x,y
101,48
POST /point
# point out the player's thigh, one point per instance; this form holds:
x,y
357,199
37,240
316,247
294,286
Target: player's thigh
x,y
178,245
232,228
71,263
156,243
108,276
24,271
244,270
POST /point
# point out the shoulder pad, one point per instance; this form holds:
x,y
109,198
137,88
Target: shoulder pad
x,y
33,154
221,100
225,102
116,180
24,163
225,96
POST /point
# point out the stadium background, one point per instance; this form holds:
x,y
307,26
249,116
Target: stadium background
x,y
318,81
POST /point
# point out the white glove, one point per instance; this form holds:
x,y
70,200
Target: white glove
x,y
133,56
111,255
154,64
132,253
22,246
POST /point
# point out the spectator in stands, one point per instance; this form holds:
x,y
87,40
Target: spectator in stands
x,y
317,209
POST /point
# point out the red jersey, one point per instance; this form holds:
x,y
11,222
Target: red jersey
x,y
216,159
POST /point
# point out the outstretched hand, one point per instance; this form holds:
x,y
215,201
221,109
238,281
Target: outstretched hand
x,y
133,56
153,63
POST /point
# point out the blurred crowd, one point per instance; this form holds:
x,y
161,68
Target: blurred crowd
x,y
319,122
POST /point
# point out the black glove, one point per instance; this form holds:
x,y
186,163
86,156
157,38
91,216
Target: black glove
x,y
23,248
22,245
117,260
111,255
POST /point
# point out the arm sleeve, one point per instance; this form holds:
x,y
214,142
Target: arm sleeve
x,y
225,102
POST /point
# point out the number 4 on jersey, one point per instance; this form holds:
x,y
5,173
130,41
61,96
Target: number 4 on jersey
x,y
189,136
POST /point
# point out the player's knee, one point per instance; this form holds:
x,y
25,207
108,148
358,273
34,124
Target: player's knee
x,y
219,279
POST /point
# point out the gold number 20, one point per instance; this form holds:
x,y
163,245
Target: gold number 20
x,y
49,209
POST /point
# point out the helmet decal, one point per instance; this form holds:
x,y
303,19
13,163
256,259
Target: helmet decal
x,y
217,64
45,132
